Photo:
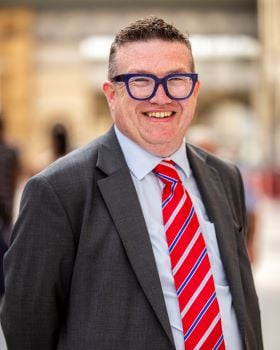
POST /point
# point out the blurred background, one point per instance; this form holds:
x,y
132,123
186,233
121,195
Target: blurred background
x,y
53,59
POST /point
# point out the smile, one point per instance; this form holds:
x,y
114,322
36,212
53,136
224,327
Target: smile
x,y
159,114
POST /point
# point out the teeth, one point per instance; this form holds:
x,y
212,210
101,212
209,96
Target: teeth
x,y
159,114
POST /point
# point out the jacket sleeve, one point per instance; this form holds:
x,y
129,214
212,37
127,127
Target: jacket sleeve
x,y
38,268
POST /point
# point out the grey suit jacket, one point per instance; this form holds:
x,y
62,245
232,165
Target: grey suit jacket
x,y
80,271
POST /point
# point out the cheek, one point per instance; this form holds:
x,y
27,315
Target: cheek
x,y
127,108
124,114
188,110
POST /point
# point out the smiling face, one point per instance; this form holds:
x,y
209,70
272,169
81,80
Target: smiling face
x,y
159,124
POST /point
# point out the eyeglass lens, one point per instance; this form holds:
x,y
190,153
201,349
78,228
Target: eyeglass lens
x,y
143,87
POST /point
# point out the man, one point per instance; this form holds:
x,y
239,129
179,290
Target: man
x,y
90,265
9,171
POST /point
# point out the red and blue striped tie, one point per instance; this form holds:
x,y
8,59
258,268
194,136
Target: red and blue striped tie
x,y
190,264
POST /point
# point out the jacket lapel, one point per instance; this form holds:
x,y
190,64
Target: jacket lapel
x,y
219,212
122,202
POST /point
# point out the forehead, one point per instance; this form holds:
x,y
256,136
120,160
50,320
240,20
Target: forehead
x,y
153,56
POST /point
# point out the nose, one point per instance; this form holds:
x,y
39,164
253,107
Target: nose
x,y
160,96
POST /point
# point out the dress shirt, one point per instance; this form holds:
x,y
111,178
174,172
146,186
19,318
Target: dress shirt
x,y
149,190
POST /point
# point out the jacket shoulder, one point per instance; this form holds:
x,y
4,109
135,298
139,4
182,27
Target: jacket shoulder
x,y
230,179
224,166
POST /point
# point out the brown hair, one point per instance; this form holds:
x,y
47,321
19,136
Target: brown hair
x,y
143,30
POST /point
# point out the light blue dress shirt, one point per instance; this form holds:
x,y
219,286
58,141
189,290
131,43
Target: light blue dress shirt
x,y
149,188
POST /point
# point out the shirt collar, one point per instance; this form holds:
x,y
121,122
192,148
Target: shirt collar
x,y
140,162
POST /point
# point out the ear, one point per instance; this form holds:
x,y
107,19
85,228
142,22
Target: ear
x,y
196,88
110,93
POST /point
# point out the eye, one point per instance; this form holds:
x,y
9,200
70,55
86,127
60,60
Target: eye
x,y
179,80
140,81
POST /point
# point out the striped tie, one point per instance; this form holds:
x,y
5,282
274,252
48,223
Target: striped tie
x,y
190,264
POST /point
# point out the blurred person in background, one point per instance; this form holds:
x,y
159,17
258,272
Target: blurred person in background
x,y
9,171
136,240
59,141
58,146
204,137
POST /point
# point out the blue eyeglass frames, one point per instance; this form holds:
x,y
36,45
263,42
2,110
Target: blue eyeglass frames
x,y
177,86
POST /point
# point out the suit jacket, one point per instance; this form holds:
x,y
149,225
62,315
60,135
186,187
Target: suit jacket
x,y
80,272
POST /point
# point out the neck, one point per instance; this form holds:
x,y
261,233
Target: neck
x,y
161,150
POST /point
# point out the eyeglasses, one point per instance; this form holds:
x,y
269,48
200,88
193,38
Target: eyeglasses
x,y
177,86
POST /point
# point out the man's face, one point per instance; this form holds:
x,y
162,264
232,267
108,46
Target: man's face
x,y
142,121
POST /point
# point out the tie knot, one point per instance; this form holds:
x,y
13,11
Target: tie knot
x,y
167,172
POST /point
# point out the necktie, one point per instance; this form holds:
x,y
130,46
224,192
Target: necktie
x,y
190,264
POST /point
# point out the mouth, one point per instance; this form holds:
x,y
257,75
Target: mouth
x,y
159,115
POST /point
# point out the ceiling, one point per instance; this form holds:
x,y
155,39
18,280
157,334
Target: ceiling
x,y
240,5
